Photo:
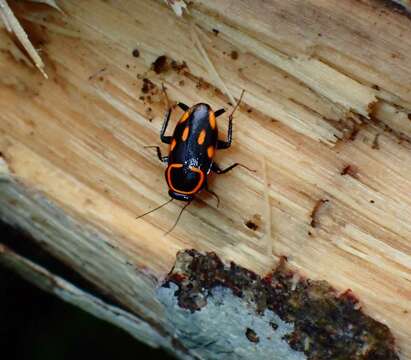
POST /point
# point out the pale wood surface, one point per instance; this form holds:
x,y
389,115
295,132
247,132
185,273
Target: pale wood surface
x,y
311,70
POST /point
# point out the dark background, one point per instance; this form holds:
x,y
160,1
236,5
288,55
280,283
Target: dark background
x,y
35,325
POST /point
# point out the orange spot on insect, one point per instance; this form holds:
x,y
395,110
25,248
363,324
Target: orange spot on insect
x,y
184,117
210,151
211,119
201,137
185,133
173,144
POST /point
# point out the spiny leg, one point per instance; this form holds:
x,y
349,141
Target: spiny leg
x,y
219,112
183,106
162,158
226,144
215,168
165,139
221,144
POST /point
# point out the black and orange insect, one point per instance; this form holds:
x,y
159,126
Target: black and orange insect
x,y
192,148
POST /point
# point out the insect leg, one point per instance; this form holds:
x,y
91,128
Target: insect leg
x,y
226,144
215,168
183,106
165,139
219,112
162,158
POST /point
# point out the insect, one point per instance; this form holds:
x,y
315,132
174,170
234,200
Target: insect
x,y
191,152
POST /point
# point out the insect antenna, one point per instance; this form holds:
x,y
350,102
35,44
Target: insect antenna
x,y
178,218
158,207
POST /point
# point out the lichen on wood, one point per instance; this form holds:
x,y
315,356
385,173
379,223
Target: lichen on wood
x,y
321,323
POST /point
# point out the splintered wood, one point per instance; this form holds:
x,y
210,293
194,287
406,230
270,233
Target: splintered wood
x,y
13,26
327,109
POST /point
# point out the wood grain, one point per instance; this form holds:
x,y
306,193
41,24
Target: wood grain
x,y
323,81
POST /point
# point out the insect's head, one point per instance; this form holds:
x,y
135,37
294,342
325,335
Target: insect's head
x,y
179,196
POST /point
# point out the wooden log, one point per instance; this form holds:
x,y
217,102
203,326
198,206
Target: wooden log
x,y
325,122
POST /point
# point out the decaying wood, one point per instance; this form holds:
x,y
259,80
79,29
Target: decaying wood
x,y
323,81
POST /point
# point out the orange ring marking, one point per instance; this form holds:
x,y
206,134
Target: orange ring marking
x,y
192,168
